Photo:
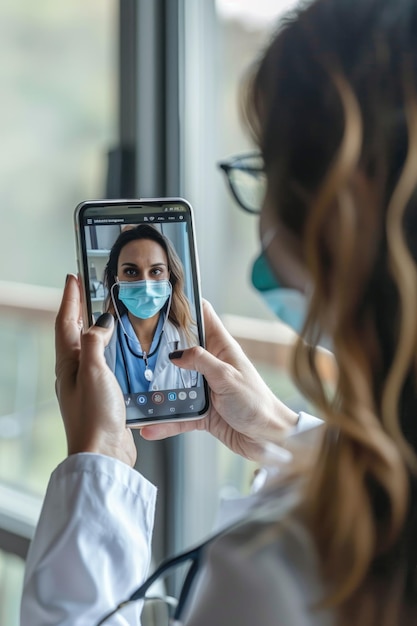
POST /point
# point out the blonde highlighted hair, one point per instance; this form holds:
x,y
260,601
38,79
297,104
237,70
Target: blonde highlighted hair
x,y
333,107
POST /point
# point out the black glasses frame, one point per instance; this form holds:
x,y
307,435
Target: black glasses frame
x,y
235,163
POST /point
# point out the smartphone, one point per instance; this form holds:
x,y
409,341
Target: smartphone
x,y
137,259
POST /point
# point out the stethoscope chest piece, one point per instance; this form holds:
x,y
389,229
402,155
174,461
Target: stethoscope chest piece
x,y
148,373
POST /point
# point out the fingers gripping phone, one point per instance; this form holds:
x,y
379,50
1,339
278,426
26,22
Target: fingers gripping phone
x,y
137,260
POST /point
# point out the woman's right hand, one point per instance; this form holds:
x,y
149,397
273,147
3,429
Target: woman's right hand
x,y
91,403
244,413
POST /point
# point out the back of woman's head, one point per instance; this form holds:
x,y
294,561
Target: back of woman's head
x,y
333,106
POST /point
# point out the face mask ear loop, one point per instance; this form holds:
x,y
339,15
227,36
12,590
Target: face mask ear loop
x,y
116,309
168,307
267,238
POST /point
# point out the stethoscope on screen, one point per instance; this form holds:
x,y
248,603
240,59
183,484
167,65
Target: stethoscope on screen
x,y
140,356
145,357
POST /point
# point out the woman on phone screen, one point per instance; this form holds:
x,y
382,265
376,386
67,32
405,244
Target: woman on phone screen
x,y
145,281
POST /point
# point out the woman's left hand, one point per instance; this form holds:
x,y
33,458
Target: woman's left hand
x,y
244,413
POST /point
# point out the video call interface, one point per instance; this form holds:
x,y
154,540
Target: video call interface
x,y
177,394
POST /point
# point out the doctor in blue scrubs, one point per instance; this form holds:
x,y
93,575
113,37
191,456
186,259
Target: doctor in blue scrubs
x,y
145,280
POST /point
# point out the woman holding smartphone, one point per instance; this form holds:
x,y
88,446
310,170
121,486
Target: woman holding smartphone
x,y
144,277
333,108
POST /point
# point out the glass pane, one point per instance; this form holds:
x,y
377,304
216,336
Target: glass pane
x,y
242,30
11,581
31,433
57,121
222,40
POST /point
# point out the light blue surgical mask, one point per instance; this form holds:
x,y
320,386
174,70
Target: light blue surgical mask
x,y
288,304
144,298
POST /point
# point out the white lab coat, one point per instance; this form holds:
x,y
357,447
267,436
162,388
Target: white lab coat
x,y
92,549
92,543
166,375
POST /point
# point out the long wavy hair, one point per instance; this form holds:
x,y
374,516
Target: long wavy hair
x,y
179,312
333,107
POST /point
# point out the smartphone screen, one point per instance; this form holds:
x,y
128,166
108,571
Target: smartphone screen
x,y
137,260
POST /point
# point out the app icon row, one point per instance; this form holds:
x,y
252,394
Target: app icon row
x,y
158,397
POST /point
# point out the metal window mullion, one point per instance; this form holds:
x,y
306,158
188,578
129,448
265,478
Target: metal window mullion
x,y
150,98
174,38
151,125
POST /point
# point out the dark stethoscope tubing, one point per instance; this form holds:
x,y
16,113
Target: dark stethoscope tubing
x,y
128,381
194,555
139,356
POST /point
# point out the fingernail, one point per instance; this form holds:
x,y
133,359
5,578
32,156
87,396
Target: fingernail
x,y
105,320
67,278
176,355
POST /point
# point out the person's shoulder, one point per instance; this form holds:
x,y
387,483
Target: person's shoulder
x,y
274,547
275,508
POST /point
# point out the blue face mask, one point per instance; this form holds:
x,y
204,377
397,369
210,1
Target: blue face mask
x,y
144,298
289,305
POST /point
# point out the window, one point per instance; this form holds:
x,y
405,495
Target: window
x,y
57,121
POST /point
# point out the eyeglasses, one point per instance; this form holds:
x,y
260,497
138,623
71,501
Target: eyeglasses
x,y
247,180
